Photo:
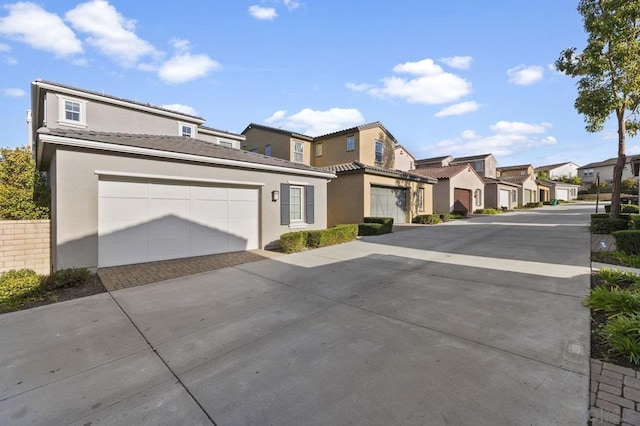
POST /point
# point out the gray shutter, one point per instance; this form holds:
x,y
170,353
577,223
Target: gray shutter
x,y
309,213
284,204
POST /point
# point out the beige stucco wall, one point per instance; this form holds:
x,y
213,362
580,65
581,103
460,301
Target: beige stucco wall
x,y
334,150
517,172
368,148
259,138
531,185
567,170
492,195
25,244
75,224
442,196
403,160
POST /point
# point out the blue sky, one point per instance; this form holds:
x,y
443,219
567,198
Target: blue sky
x,y
458,77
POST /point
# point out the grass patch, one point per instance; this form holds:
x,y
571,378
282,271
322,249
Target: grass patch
x,y
428,219
618,257
488,211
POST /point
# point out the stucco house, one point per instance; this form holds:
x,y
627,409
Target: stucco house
x,y
527,188
404,160
559,170
364,160
131,183
459,188
589,172
519,170
549,190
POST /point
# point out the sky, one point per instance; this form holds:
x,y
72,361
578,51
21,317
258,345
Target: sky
x,y
457,77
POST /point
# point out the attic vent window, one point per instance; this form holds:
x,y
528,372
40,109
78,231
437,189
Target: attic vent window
x,y
72,112
186,130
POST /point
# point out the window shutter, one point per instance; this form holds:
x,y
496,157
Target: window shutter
x,y
309,211
284,204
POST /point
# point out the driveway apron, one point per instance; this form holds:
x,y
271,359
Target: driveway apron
x,y
472,322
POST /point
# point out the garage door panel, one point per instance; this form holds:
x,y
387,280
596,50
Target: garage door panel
x,y
210,213
504,198
169,227
169,248
118,214
562,194
388,202
122,252
242,209
119,189
210,193
167,191
242,194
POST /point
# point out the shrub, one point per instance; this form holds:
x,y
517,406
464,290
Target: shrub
x,y
445,217
627,241
619,278
606,225
613,301
622,334
546,203
635,221
328,237
599,215
366,229
17,284
617,258
386,221
460,214
488,211
534,204
68,278
629,208
428,219
292,242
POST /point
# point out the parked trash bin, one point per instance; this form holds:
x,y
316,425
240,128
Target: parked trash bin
x,y
554,202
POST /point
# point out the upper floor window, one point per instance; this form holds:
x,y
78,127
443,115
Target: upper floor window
x,y
319,150
298,152
478,166
378,151
411,165
186,130
587,173
226,144
72,112
522,173
267,150
351,143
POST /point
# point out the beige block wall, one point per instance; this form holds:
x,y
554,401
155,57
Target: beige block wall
x,y
25,244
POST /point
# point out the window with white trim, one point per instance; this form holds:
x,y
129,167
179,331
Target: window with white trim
x,y
420,199
226,144
267,150
379,150
351,143
296,203
186,130
298,152
478,197
72,112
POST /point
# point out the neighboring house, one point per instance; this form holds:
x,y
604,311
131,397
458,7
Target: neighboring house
x,y
549,190
485,165
123,192
559,171
589,172
434,162
459,188
510,171
364,158
278,143
527,187
500,194
404,161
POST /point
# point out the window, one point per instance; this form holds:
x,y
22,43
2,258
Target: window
x,y
319,150
267,150
186,130
378,151
72,112
411,165
226,144
351,143
522,173
478,197
298,152
421,199
296,205
478,166
514,196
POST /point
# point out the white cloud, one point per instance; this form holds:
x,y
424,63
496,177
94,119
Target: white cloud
x,y
262,13
4,48
525,75
458,109
276,116
185,109
186,67
14,93
110,32
459,62
507,138
358,87
316,123
291,4
10,60
430,84
80,62
31,24
180,45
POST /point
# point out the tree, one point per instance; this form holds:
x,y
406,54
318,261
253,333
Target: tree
x,y
629,186
608,70
23,195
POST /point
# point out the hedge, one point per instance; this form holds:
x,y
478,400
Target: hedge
x,y
488,211
428,219
605,225
534,204
627,241
624,208
386,221
292,242
635,221
367,229
16,284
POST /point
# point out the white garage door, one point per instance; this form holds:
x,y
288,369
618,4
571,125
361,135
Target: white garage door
x,y
147,221
562,194
389,202
504,198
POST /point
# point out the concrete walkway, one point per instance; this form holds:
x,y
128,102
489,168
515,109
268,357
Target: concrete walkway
x,y
467,323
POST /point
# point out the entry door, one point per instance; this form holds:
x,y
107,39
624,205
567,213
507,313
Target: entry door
x,y
505,195
462,200
389,202
142,221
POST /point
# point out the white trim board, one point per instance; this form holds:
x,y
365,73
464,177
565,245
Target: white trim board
x,y
174,178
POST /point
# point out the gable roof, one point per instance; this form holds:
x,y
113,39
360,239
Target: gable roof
x,y
433,160
406,151
553,166
358,167
473,157
175,147
518,167
550,183
445,172
359,128
488,180
607,162
516,179
276,130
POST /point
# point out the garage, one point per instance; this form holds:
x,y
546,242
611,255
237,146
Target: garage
x,y
505,194
462,200
143,221
562,194
389,202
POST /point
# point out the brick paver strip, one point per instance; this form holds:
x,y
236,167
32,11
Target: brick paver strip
x,y
613,390
119,277
630,416
618,400
615,395
631,393
632,382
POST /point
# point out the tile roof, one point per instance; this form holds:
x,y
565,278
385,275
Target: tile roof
x,y
276,130
213,129
445,172
473,157
358,167
607,162
518,167
177,144
489,180
516,179
359,128
433,160
551,166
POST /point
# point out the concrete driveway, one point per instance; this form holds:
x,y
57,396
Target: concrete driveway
x,y
468,323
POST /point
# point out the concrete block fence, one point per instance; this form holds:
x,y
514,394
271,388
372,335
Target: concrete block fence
x,y
25,244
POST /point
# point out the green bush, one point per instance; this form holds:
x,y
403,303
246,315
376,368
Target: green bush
x,y
635,221
367,229
599,216
428,219
18,284
534,204
292,242
613,301
386,221
68,278
627,241
488,211
331,236
622,335
616,277
629,208
459,214
617,258
605,225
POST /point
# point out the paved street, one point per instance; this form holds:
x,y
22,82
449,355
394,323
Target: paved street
x,y
467,323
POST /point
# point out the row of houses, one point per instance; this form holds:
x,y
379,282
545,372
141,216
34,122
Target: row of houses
x,y
131,182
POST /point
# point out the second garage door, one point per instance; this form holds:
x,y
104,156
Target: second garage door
x,y
142,221
562,194
389,202
504,198
462,200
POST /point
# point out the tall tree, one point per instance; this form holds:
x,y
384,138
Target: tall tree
x,y
608,72
23,195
